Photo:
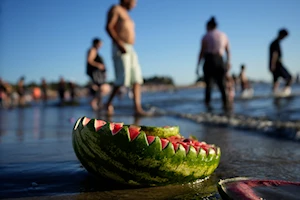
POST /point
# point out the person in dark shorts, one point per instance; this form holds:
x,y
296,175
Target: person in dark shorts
x,y
96,71
214,44
276,66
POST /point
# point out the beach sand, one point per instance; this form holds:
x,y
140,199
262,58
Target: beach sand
x,y
37,160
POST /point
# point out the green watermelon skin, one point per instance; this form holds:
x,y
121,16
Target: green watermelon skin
x,y
136,162
162,132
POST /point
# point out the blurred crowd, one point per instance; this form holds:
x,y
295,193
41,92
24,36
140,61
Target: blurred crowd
x,y
20,95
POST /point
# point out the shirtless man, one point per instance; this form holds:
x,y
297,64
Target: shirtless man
x,y
120,28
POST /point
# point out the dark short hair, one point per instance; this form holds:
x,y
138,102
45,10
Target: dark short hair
x,y
96,41
283,32
212,22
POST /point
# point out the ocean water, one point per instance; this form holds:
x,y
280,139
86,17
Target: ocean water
x,y
37,160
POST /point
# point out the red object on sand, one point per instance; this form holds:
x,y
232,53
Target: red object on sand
x,y
250,189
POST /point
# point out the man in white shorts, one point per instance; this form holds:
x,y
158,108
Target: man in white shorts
x,y
120,28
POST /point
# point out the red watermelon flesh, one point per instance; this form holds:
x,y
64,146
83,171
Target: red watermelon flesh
x,y
115,127
177,140
99,124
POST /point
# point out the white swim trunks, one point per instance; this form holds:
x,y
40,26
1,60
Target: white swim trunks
x,y
127,67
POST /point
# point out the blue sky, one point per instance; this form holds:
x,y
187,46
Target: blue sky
x,y
49,38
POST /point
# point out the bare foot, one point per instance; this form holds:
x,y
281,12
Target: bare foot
x,y
143,113
110,110
94,106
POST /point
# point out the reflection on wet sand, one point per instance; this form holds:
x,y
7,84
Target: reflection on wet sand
x,y
21,121
48,166
43,122
36,122
68,178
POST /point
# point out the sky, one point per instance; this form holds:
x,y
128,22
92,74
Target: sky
x,y
50,38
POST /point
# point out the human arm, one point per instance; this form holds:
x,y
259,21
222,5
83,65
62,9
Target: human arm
x,y
274,60
91,59
112,19
228,55
201,55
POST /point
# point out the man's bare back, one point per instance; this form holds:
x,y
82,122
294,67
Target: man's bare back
x,y
120,26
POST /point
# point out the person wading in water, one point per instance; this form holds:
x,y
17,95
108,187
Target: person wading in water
x,y
276,65
97,72
120,28
214,44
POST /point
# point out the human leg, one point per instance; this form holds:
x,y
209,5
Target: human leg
x,y
109,106
220,80
275,86
120,61
137,79
208,85
286,75
137,100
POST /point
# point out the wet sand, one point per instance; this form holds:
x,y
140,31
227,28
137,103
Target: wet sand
x,y
37,160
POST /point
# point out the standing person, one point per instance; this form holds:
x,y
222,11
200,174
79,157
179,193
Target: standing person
x,y
243,78
3,94
97,72
21,91
214,44
120,28
44,90
36,93
72,87
61,90
230,89
298,78
246,90
276,67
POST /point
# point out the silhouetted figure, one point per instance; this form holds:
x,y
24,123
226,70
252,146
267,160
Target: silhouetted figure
x,y
276,66
21,91
44,88
230,89
3,94
120,28
247,91
72,88
214,44
7,95
235,80
243,79
298,78
36,93
97,72
61,90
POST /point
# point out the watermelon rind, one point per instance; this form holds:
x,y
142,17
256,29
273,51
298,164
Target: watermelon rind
x,y
136,162
162,132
